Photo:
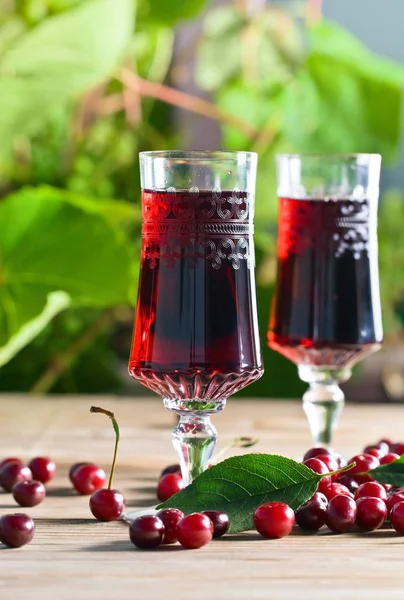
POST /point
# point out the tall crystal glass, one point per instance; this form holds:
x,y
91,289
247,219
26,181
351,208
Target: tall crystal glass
x,y
196,336
325,314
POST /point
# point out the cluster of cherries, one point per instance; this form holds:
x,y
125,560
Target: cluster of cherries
x,y
341,502
26,483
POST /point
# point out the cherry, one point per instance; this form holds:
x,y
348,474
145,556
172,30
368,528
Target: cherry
x,y
341,513
88,478
314,452
397,496
274,519
324,484
171,469
371,512
399,448
170,518
330,462
28,493
220,520
194,530
388,458
336,489
146,531
375,452
371,489
42,468
74,467
107,504
12,472
316,465
348,482
382,447
169,484
312,514
364,462
16,530
397,517
9,460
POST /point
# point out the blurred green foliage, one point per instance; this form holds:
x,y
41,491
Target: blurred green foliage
x,y
75,111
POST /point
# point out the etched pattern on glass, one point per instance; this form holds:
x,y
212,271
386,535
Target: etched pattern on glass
x,y
193,227
346,227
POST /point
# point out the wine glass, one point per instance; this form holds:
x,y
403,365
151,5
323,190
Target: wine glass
x,y
325,313
196,336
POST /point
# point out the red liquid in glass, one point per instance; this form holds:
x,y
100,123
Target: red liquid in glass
x,y
326,305
196,333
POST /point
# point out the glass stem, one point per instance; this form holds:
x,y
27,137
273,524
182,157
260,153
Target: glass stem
x,y
323,404
194,439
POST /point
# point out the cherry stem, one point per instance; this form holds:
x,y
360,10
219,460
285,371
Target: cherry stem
x,y
342,470
98,409
237,442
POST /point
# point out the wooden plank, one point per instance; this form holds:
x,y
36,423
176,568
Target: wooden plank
x,y
74,556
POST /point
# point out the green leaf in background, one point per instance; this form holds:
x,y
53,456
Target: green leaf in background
x,y
49,245
355,99
241,483
167,11
393,473
59,59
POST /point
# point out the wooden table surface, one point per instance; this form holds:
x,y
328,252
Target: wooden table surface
x,y
72,556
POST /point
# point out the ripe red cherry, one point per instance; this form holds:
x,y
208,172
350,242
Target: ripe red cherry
x,y
10,460
364,462
171,469
312,514
28,493
16,530
42,468
336,489
341,513
348,482
146,531
371,489
388,458
170,517
314,452
316,465
324,484
375,452
195,530
107,504
274,519
220,520
397,517
88,478
397,496
371,512
74,467
382,447
399,448
330,462
169,485
13,472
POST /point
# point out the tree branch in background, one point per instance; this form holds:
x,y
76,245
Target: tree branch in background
x,y
172,96
62,362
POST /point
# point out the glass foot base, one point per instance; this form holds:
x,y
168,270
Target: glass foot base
x,y
131,515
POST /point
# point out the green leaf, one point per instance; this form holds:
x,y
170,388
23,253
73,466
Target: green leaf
x,y
339,100
55,303
50,245
241,483
58,60
167,11
392,473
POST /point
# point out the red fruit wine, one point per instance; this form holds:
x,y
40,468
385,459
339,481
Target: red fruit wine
x,y
326,308
196,332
